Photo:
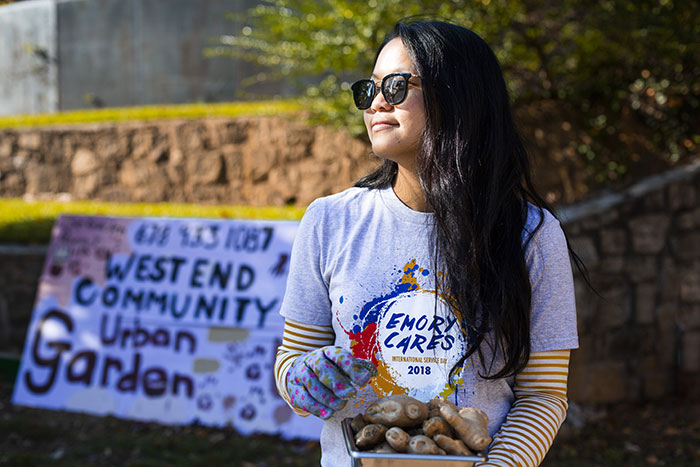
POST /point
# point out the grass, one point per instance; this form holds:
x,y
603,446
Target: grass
x,y
30,222
37,437
157,112
664,433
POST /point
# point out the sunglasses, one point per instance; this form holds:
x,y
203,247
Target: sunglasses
x,y
394,89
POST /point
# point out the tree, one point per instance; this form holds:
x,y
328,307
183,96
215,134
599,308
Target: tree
x,y
624,65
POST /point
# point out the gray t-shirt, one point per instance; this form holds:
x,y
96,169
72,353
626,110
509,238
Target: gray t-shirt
x,y
361,262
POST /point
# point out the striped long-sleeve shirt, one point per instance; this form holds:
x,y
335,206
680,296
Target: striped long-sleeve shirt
x,y
532,423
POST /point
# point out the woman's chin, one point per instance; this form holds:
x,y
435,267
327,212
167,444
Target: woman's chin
x,y
399,157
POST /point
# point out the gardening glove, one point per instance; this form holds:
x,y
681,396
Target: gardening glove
x,y
321,381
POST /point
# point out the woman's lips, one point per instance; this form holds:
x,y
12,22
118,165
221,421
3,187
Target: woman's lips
x,y
379,126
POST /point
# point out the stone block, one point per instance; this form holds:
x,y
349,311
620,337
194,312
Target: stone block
x,y
142,141
233,161
667,313
21,159
134,174
690,357
685,220
85,187
612,264
615,309
690,286
668,280
630,342
45,178
6,146
645,303
601,383
657,377
681,195
147,183
30,140
13,185
234,132
176,157
613,241
84,162
649,232
286,183
642,268
584,246
257,163
687,246
212,127
206,168
111,145
159,154
689,316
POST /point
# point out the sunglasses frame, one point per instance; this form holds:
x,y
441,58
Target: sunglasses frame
x,y
405,75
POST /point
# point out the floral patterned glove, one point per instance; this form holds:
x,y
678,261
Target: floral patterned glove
x,y
321,380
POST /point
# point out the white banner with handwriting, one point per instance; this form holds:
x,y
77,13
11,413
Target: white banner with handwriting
x,y
160,319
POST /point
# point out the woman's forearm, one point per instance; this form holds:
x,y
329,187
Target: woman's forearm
x,y
298,338
537,412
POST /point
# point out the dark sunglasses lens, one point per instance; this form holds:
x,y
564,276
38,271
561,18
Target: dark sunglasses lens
x,y
394,89
363,93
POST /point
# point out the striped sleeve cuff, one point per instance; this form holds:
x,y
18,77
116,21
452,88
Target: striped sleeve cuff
x,y
536,414
298,338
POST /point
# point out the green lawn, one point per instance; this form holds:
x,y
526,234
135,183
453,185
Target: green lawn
x,y
157,112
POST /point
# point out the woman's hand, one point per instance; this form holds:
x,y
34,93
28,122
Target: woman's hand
x,y
321,381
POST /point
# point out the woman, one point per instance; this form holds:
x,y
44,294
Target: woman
x,y
442,267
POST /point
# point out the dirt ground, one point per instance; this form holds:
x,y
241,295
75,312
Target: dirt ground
x,y
665,433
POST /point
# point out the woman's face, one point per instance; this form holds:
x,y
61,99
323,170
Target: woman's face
x,y
396,131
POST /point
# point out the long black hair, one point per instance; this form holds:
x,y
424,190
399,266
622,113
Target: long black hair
x,y
475,174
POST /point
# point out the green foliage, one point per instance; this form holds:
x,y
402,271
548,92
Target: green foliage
x,y
624,65
29,222
155,112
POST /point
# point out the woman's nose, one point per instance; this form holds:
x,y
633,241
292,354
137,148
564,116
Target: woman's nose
x,y
379,103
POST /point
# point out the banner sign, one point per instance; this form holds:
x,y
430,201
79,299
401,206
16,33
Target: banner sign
x,y
168,320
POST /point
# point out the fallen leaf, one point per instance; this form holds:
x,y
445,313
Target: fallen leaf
x,y
632,447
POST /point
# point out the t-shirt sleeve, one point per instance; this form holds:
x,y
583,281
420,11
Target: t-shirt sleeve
x,y
553,313
306,295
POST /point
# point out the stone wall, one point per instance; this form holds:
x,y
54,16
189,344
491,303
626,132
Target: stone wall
x,y
250,161
640,339
19,276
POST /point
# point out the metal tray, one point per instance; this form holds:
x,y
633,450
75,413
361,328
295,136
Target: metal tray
x,y
375,459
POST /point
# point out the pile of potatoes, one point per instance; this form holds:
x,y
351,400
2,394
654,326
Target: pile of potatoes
x,y
402,424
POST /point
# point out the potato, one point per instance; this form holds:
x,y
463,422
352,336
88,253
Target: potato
x,y
400,424
421,444
397,410
370,436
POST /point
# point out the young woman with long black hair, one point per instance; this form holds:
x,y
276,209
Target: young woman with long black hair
x,y
443,267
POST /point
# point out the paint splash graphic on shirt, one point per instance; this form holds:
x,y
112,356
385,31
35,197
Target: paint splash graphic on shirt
x,y
414,282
